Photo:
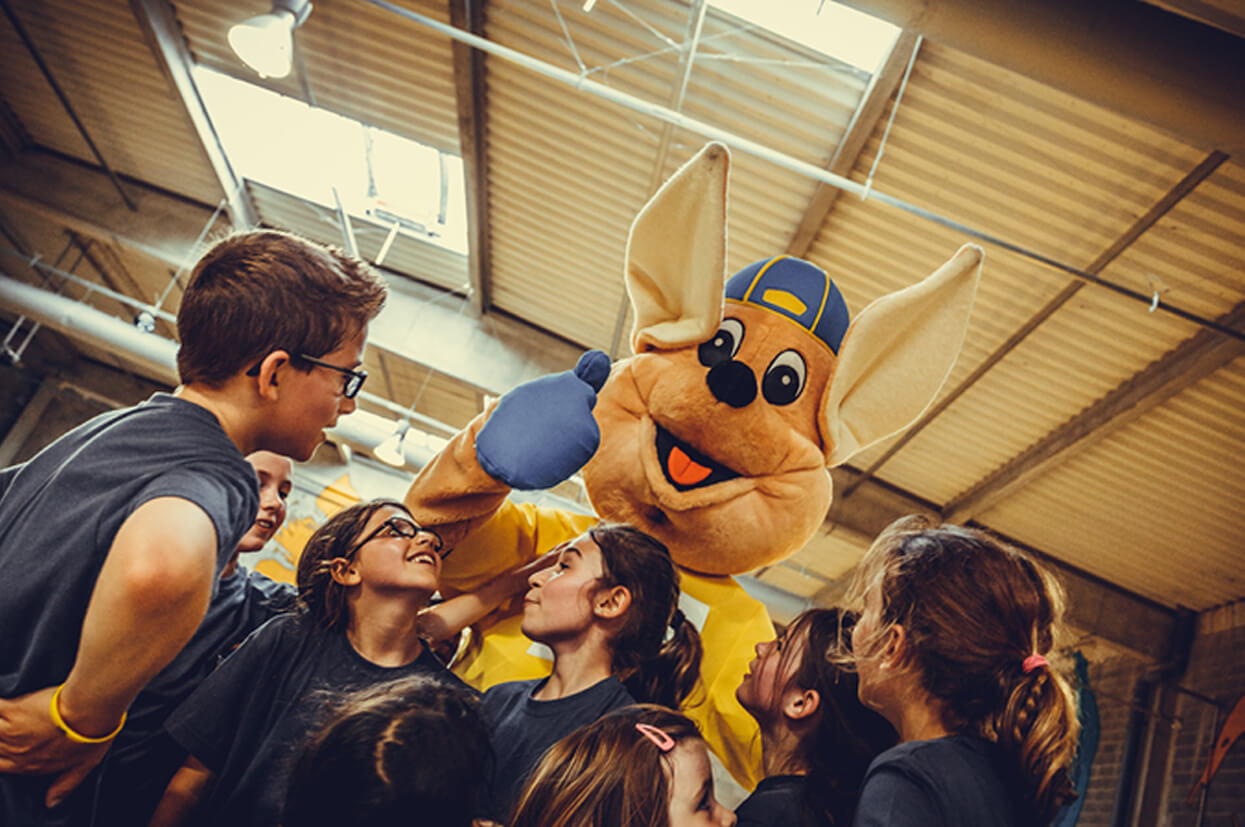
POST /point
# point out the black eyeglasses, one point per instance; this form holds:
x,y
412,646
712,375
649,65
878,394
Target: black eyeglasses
x,y
354,378
402,527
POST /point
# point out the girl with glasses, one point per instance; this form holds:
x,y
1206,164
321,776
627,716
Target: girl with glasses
x,y
608,612
365,579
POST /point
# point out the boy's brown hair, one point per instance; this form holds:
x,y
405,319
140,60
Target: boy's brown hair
x,y
258,291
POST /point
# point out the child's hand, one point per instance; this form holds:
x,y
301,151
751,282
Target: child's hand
x,y
542,432
30,744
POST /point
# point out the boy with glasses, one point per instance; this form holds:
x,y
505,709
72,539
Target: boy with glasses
x,y
111,537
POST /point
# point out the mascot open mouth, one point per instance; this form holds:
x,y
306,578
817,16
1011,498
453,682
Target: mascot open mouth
x,y
685,467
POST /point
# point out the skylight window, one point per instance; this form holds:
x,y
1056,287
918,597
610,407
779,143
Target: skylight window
x,y
307,152
830,28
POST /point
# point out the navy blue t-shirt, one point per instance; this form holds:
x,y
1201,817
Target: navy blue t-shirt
x,y
524,728
956,781
775,802
248,721
59,513
144,758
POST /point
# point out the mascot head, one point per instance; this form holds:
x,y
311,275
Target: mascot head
x,y
717,433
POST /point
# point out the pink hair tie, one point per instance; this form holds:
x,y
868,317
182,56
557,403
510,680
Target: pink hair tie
x,y
663,741
1034,661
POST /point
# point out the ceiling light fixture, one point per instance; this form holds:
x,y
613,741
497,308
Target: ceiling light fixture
x,y
392,450
266,42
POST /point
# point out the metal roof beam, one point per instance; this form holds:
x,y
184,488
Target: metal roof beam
x,y
1199,357
1133,58
471,97
46,71
1094,606
872,105
13,136
164,36
1164,205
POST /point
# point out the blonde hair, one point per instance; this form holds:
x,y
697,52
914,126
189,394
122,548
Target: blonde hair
x,y
973,610
606,774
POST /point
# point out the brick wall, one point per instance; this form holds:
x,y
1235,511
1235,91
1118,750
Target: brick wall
x,y
1112,681
1216,670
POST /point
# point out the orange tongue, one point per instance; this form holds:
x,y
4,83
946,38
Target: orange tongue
x,y
683,470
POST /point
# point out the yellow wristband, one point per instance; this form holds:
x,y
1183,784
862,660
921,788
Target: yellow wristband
x,y
54,709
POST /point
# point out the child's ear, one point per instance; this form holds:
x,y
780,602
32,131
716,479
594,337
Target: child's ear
x,y
800,704
611,603
894,648
344,572
266,381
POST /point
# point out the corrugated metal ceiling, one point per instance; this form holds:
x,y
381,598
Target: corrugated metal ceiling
x,y
1153,507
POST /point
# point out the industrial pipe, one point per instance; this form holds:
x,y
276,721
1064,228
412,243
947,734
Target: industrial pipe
x,y
157,357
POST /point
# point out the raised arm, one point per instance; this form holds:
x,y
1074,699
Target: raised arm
x,y
450,617
149,598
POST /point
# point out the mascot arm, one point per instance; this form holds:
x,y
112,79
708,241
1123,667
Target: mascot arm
x,y
452,493
734,623
516,534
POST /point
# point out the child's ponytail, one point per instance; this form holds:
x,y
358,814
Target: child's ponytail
x,y
654,667
1038,725
670,676
978,615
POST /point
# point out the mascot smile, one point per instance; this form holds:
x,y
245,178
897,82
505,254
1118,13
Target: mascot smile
x,y
715,436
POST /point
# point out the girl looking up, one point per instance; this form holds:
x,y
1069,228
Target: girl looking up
x,y
605,610
952,647
643,766
364,578
817,739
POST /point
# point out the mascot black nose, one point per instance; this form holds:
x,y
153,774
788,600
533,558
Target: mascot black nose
x,y
733,383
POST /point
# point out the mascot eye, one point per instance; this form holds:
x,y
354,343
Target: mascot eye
x,y
784,378
724,344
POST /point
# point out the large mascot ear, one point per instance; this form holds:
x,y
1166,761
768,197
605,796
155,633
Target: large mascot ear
x,y
676,255
896,356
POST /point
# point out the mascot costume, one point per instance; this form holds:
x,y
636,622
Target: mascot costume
x,y
715,436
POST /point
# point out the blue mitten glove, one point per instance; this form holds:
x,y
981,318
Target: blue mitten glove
x,y
542,432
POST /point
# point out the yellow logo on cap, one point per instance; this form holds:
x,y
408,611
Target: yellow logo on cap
x,y
787,301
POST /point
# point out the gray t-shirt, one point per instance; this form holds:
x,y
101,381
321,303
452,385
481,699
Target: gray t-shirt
x,y
59,513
